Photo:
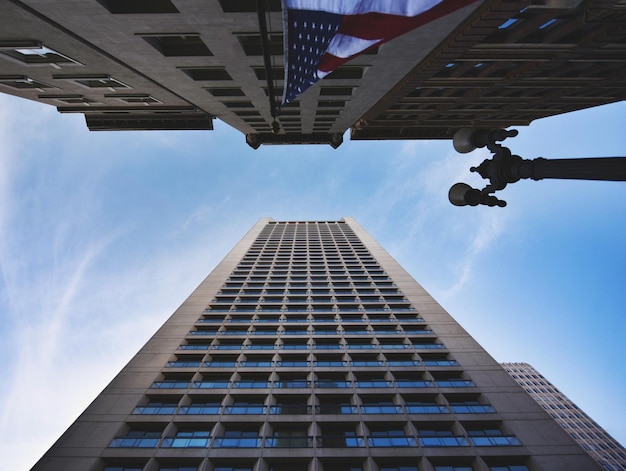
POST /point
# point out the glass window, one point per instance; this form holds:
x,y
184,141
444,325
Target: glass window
x,y
156,408
491,437
96,81
244,408
471,407
138,6
36,53
390,438
518,467
210,384
440,438
188,439
453,468
137,439
238,439
380,409
201,408
22,81
175,45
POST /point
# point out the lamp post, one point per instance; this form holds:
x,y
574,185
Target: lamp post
x,y
504,167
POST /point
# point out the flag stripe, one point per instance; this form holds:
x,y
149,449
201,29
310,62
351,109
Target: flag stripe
x,y
372,27
348,46
352,7
320,35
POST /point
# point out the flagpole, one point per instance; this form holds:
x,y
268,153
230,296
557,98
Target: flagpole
x,y
266,61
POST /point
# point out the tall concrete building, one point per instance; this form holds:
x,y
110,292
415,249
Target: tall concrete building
x,y
603,448
179,64
309,348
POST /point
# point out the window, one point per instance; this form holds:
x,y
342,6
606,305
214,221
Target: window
x,y
233,468
277,73
381,408
513,467
33,52
390,438
346,73
205,384
453,468
248,6
440,438
188,439
170,384
251,44
201,408
69,99
238,439
22,82
290,408
340,439
207,73
289,438
93,81
407,383
173,45
138,6
155,407
330,91
471,407
245,408
137,439
491,436
229,91
141,98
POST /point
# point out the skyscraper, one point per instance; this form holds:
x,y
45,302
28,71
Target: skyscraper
x,y
588,434
310,348
176,64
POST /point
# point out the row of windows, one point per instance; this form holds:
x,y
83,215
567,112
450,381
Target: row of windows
x,y
328,290
307,442
379,311
348,330
218,363
317,315
344,286
345,250
340,465
298,438
320,345
307,253
305,384
212,408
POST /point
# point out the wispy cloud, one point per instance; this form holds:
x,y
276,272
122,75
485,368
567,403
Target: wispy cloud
x,y
413,198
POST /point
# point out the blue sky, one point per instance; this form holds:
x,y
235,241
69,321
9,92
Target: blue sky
x,y
103,235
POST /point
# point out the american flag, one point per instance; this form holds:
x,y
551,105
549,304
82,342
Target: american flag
x,y
320,35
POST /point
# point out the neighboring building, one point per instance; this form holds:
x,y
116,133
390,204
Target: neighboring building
x,y
174,64
309,348
588,434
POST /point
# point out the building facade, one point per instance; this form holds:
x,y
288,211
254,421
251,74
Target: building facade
x,y
179,64
603,448
309,348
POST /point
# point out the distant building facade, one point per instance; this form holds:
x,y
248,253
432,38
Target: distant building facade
x,y
603,448
174,64
309,348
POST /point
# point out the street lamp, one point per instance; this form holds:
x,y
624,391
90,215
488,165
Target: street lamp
x,y
504,167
